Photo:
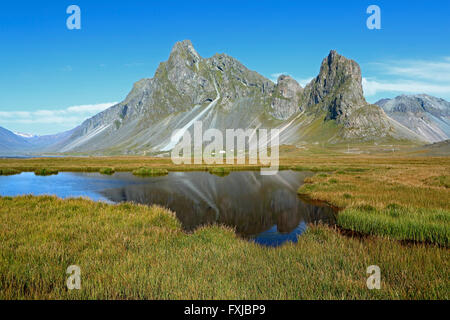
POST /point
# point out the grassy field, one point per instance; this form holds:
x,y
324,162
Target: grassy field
x,y
131,251
317,161
404,201
96,164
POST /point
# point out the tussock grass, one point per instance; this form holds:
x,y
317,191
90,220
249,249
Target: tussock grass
x,y
130,251
405,202
152,172
8,172
45,172
107,171
219,171
431,225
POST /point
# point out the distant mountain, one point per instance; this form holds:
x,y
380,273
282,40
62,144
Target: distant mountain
x,y
11,143
425,115
50,142
25,144
224,94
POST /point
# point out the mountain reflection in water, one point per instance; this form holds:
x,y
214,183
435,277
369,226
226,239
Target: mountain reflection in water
x,y
266,209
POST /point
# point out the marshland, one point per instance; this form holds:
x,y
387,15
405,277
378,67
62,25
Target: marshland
x,y
392,211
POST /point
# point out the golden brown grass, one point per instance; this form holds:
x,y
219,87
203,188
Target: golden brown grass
x,y
319,162
407,200
131,251
94,164
406,184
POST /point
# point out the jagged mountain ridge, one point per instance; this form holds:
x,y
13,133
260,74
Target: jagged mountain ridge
x,y
182,87
224,94
337,93
428,116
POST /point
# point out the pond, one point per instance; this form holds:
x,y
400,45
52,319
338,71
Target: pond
x,y
263,209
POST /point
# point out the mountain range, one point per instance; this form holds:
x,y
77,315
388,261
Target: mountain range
x,y
224,94
425,115
25,144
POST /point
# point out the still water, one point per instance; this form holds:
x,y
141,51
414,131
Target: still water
x,y
264,209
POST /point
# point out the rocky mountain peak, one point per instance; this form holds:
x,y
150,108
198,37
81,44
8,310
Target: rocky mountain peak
x,y
337,89
337,71
185,49
223,93
236,82
284,78
225,63
286,97
336,65
179,82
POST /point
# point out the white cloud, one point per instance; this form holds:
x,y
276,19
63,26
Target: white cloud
x,y
91,108
410,76
73,115
372,87
418,69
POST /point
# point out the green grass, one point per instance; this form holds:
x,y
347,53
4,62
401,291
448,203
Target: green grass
x,y
324,161
150,172
397,222
45,172
130,251
390,198
8,172
107,171
408,202
219,171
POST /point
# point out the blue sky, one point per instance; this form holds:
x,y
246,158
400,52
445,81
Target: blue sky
x,y
53,78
